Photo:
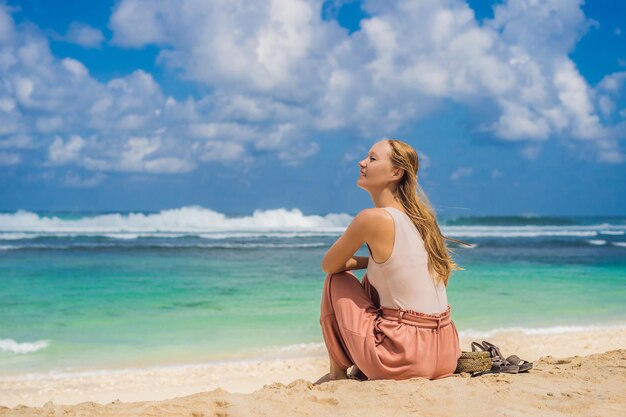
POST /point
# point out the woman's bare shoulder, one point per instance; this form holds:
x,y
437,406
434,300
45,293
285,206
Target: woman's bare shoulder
x,y
373,217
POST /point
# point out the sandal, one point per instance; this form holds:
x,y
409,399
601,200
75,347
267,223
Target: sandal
x,y
477,347
524,365
499,363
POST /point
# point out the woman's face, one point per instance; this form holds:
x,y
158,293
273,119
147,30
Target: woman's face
x,y
376,169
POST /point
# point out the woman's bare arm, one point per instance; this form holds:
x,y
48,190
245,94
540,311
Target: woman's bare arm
x,y
354,263
340,256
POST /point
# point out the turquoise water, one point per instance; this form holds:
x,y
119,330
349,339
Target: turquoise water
x,y
85,301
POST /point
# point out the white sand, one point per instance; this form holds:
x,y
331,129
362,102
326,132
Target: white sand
x,y
579,385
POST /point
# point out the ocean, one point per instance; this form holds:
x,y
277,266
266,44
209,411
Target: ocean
x,y
86,292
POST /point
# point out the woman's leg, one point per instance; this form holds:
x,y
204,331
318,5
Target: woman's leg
x,y
344,312
336,372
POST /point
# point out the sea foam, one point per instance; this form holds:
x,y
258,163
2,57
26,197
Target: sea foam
x,y
192,219
11,346
477,334
209,224
612,232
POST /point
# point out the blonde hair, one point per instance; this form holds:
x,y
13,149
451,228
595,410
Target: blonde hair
x,y
418,208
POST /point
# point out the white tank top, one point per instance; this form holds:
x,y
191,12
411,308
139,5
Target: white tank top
x,y
403,280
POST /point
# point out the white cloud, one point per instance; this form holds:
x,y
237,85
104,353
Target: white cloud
x,y
74,67
606,105
610,152
76,181
130,15
84,35
575,99
7,104
354,155
278,74
531,152
521,123
496,173
62,152
136,154
407,57
97,124
49,124
613,83
295,155
6,28
259,46
9,158
460,173
18,142
24,88
220,151
167,165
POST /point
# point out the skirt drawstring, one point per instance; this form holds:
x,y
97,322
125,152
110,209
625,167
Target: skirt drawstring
x,y
379,335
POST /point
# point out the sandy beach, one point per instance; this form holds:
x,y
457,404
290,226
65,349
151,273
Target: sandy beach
x,y
575,373
181,181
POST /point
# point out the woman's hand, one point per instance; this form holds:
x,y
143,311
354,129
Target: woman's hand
x,y
354,263
357,262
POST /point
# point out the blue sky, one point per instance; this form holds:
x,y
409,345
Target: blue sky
x,y
515,107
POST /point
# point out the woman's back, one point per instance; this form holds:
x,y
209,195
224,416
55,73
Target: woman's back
x,y
403,280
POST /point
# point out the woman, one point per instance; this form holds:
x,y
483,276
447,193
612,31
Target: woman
x,y
396,324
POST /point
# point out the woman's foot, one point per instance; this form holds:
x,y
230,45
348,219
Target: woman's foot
x,y
336,372
356,373
331,377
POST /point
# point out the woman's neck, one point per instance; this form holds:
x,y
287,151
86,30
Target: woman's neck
x,y
386,199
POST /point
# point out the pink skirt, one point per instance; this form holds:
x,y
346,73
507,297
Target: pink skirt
x,y
384,343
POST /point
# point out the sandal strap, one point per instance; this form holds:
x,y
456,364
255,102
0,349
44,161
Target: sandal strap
x,y
516,360
477,347
495,351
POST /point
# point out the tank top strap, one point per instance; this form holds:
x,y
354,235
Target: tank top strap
x,y
405,231
393,211
401,235
401,221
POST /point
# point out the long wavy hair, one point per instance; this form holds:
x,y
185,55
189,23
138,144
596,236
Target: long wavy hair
x,y
418,208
